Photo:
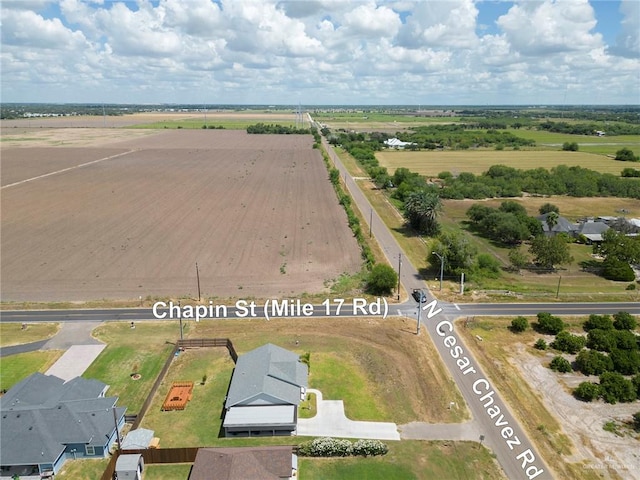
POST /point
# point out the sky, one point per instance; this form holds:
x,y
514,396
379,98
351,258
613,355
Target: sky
x,y
321,52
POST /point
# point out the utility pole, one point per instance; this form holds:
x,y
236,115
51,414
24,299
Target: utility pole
x,y
198,278
115,421
399,268
419,313
180,308
370,221
558,290
441,267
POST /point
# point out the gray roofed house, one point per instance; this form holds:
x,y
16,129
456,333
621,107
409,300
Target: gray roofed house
x,y
562,225
45,421
266,388
592,231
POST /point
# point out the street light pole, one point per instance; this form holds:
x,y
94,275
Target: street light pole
x,y
180,308
441,267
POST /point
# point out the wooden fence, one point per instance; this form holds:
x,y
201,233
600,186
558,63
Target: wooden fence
x,y
210,342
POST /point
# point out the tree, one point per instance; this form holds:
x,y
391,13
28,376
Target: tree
x,y
591,362
519,324
487,266
601,340
548,323
552,219
626,362
548,207
518,259
458,252
617,270
382,279
587,391
560,364
603,322
624,321
566,342
615,388
620,246
570,146
421,209
626,155
550,251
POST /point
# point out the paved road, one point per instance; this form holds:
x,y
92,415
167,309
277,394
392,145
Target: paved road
x,y
408,308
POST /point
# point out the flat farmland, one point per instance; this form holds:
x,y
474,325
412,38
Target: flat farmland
x,y
478,161
256,212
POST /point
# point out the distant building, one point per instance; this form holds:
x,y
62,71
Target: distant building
x,y
592,231
562,225
398,144
45,421
267,385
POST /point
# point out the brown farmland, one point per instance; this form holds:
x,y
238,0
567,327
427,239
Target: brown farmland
x,y
256,212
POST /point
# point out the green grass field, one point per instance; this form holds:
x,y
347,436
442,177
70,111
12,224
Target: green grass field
x,y
431,163
13,333
143,349
408,460
14,368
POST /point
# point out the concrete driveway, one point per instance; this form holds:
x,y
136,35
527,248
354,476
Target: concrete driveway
x,y
331,421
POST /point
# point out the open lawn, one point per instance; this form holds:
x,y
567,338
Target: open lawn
x,y
568,432
431,163
158,471
409,460
84,469
14,368
14,334
143,349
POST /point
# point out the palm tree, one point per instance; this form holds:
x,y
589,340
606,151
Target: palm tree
x,y
421,209
552,220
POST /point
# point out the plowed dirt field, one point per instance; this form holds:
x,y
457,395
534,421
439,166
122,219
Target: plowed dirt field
x,y
131,218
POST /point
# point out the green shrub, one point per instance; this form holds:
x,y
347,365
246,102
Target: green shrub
x,y
587,391
617,270
615,388
566,342
540,344
560,364
382,279
548,323
369,448
519,324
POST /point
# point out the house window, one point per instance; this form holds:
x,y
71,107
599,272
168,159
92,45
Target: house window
x,y
90,450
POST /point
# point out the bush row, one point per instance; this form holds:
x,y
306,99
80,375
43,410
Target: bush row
x,y
336,447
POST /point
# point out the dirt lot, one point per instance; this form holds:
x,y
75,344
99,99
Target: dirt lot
x,y
256,213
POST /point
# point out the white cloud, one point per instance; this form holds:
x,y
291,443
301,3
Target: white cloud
x,y
28,29
322,51
540,28
628,42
